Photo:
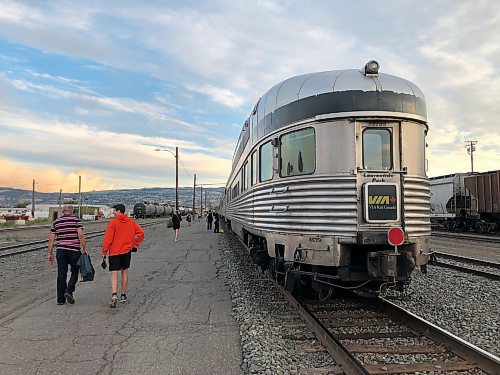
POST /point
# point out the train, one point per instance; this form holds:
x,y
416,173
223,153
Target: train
x,y
326,166
466,201
147,210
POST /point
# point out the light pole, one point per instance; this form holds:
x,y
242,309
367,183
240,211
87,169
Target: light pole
x,y
176,155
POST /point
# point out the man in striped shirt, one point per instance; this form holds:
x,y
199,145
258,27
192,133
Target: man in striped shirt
x,y
67,231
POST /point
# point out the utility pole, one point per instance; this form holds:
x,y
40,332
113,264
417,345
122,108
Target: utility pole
x,y
80,197
33,201
194,196
206,200
60,197
471,147
201,200
176,178
176,155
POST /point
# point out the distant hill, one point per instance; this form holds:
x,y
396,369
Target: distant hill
x,y
10,197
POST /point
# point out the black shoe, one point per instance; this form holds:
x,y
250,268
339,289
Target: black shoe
x,y
123,298
69,297
61,303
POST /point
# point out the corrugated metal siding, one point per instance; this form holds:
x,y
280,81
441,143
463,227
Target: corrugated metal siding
x,y
417,206
485,187
310,205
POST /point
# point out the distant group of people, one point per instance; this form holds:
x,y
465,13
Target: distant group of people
x,y
213,217
123,236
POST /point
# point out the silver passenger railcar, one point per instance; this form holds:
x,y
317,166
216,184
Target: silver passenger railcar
x,y
325,165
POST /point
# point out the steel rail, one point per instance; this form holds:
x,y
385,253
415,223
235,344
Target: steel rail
x,y
434,260
461,258
89,235
349,363
467,237
471,353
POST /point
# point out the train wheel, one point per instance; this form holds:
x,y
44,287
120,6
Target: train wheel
x,y
289,280
274,270
480,228
423,269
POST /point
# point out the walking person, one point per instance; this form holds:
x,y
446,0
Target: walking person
x,y
67,232
176,223
210,218
123,236
216,222
189,218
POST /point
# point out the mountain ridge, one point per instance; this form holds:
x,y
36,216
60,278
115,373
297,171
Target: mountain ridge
x,y
10,197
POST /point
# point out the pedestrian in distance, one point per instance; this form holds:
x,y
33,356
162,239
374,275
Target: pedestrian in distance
x,y
216,222
123,236
176,223
67,232
210,218
189,217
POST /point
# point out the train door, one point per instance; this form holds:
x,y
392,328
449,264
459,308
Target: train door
x,y
378,162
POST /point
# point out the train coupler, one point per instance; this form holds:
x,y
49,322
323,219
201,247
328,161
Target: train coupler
x,y
382,264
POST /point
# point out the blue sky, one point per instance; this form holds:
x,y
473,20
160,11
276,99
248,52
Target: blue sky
x,y
92,88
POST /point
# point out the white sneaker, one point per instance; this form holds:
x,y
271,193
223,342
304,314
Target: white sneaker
x,y
114,300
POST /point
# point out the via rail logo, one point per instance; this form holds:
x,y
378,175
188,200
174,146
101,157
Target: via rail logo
x,y
382,202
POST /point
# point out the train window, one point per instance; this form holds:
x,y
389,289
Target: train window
x,y
247,175
244,173
254,168
266,161
377,149
298,153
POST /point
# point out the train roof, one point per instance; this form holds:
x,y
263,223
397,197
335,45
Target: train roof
x,y
336,92
348,90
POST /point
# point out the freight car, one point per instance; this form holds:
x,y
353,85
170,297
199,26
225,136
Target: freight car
x,y
326,164
145,210
466,201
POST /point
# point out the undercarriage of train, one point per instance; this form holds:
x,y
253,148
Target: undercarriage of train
x,y
373,269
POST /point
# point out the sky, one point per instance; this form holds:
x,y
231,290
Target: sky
x,y
92,88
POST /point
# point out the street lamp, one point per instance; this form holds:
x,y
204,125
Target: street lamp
x,y
176,155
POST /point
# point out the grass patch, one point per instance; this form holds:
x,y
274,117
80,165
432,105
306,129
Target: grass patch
x,y
8,224
39,222
12,224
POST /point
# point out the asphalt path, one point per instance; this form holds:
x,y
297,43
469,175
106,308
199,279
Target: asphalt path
x,y
177,320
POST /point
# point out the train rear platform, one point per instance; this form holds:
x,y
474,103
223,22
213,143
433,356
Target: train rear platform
x,y
177,319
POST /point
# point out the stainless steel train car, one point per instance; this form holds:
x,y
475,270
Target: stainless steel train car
x,y
466,201
326,164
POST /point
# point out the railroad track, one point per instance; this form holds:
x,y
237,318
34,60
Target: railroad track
x,y
375,336
42,244
490,270
467,236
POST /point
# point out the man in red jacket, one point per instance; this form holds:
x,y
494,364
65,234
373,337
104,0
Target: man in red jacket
x,y
123,236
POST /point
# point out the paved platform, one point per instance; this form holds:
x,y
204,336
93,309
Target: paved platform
x,y
177,320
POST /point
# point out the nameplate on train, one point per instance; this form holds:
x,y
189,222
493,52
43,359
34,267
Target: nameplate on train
x,y
381,202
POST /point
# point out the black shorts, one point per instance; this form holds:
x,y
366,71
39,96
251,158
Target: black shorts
x,y
120,262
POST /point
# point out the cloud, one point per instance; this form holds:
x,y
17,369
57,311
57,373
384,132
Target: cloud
x,y
49,178
75,147
204,65
220,95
